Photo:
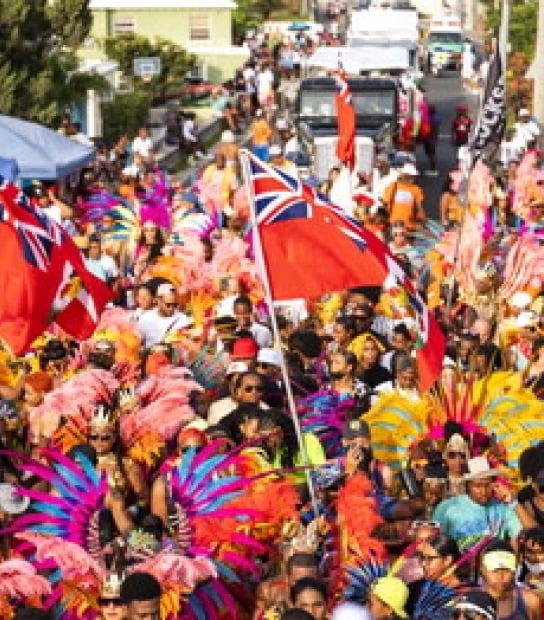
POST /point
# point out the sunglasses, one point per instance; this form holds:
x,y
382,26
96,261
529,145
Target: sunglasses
x,y
253,388
427,558
456,455
106,602
171,305
100,437
418,524
263,365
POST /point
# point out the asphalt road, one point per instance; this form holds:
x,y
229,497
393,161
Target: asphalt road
x,y
445,92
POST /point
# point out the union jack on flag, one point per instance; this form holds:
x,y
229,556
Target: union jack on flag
x,y
37,233
279,197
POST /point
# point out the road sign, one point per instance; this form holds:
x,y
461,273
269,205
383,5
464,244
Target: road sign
x,y
146,66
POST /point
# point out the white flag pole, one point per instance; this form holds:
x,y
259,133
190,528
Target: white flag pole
x,y
261,261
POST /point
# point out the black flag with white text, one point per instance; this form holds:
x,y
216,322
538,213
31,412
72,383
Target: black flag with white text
x,y
489,129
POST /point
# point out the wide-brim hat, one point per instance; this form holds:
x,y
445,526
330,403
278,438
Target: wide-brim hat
x,y
479,468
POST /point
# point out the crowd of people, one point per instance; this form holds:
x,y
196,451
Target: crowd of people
x,y
195,459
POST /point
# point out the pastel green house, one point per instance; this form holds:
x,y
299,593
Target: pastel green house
x,y
202,27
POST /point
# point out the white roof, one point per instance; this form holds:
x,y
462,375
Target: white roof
x,y
226,50
162,4
364,58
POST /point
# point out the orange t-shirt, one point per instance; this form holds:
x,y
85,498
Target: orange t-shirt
x,y
404,200
260,132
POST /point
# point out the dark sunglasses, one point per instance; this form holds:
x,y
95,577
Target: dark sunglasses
x,y
104,602
422,523
263,365
100,437
456,455
253,388
427,558
174,304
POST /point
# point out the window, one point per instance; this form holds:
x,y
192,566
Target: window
x,y
123,24
199,27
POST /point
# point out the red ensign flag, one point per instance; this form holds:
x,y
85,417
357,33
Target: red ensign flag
x,y
345,112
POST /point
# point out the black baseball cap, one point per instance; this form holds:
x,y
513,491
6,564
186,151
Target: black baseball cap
x,y
356,428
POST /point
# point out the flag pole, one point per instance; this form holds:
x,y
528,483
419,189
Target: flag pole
x,y
260,259
479,140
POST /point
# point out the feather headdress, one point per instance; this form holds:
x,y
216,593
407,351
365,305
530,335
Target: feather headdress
x,y
74,400
491,409
115,325
71,509
324,414
163,409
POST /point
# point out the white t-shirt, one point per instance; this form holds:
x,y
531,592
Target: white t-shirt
x,y
189,130
249,79
109,265
154,327
525,133
262,335
142,146
265,79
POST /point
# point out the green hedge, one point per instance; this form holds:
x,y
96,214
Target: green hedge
x,y
125,114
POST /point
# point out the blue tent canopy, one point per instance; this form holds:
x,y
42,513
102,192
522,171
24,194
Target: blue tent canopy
x,y
9,169
40,153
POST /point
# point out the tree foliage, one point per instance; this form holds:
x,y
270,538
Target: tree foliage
x,y
523,19
38,65
519,90
250,13
175,61
125,114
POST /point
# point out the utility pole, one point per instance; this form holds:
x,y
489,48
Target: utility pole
x,y
538,64
504,34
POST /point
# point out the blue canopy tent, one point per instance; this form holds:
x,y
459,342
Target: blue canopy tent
x,y
40,153
9,169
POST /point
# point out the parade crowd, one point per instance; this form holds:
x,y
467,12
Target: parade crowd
x,y
159,470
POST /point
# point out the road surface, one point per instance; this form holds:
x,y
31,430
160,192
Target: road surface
x,y
445,92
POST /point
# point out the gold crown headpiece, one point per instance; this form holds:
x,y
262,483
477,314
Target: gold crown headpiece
x,y
111,586
103,415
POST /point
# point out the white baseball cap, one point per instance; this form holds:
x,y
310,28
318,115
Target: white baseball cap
x,y
409,169
236,368
267,355
165,289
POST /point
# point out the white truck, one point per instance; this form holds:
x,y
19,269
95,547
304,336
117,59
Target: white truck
x,y
386,27
445,37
